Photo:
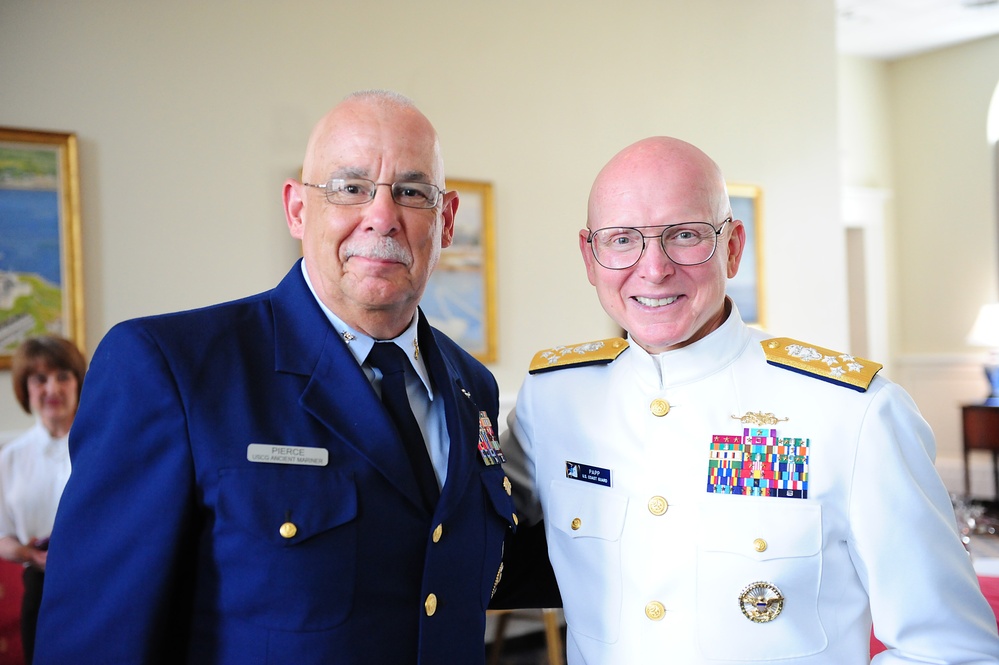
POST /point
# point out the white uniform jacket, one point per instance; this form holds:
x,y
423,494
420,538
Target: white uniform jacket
x,y
653,567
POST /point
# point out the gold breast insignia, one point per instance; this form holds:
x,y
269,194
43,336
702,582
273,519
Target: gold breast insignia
x,y
759,418
761,602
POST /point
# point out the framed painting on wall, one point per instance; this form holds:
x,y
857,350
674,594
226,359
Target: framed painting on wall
x,y
746,288
41,289
460,298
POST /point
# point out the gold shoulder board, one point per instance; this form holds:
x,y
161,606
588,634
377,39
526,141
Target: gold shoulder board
x,y
591,353
839,368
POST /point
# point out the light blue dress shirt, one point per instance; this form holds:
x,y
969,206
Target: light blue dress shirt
x,y
429,412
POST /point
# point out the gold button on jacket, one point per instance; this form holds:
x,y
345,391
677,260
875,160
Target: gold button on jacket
x,y
659,407
658,505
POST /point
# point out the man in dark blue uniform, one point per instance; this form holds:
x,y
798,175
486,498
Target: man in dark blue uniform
x,y
240,493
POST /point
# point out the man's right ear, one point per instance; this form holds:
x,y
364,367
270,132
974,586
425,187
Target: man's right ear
x,y
587,252
294,206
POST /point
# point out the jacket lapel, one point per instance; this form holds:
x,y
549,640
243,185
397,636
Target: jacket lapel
x,y
462,417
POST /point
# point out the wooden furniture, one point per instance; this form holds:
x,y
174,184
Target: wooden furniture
x,y
981,432
548,618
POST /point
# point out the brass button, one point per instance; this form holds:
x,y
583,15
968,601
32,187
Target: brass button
x,y
658,505
760,545
288,530
516,520
576,523
507,486
655,610
660,407
438,532
772,344
430,605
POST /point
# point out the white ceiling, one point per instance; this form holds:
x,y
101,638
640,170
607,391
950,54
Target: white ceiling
x,y
889,29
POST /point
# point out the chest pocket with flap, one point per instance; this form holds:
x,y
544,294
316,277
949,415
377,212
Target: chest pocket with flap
x,y
743,540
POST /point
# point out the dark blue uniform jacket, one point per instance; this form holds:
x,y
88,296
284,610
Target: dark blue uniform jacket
x,y
168,545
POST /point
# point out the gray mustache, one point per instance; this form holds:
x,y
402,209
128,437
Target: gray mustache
x,y
383,249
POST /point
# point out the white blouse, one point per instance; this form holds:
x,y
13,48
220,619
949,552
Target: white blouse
x,y
34,469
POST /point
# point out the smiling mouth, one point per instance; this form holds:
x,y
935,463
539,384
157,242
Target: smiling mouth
x,y
656,302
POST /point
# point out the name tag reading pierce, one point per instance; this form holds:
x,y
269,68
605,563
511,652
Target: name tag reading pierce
x,y
272,454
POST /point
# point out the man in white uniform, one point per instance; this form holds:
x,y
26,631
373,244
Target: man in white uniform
x,y
714,495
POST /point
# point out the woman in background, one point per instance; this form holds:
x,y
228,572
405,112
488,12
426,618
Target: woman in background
x,y
47,372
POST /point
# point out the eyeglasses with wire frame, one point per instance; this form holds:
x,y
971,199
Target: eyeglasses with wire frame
x,y
687,244
357,191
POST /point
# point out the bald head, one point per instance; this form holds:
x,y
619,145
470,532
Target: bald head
x,y
354,111
665,169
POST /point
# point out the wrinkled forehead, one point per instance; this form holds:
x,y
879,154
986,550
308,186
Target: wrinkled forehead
x,y
373,141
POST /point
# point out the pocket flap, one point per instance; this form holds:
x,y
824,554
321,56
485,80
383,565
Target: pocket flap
x,y
584,512
261,500
501,502
761,528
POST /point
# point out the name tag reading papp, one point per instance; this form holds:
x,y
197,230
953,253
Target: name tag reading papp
x,y
588,473
270,454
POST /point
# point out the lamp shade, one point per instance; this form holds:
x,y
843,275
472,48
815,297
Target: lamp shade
x,y
985,332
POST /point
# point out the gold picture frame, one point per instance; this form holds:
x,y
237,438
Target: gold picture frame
x,y
460,299
41,285
746,288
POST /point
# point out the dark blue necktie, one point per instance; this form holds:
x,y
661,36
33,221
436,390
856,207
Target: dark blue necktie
x,y
391,360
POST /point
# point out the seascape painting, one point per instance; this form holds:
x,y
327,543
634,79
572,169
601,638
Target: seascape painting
x,y
36,239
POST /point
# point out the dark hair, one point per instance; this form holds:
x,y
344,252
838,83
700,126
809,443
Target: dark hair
x,y
44,351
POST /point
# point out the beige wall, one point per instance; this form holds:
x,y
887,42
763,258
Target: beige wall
x,y
865,148
866,171
191,114
945,187
944,193
916,128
